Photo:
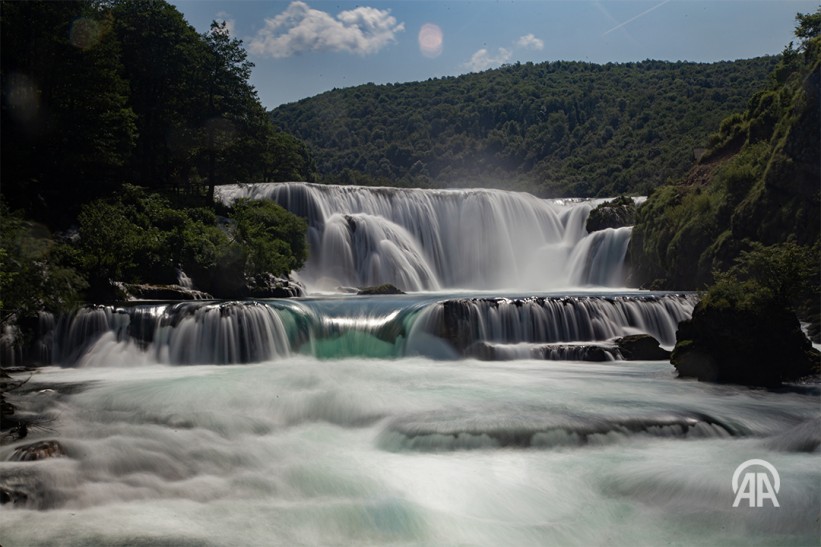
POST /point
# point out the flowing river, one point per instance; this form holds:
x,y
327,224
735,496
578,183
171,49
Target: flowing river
x,y
492,406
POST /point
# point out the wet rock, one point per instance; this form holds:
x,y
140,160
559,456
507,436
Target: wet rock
x,y
40,450
386,288
641,347
272,286
133,291
617,213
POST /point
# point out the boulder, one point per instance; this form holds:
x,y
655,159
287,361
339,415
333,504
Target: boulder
x,y
756,347
617,213
641,347
386,288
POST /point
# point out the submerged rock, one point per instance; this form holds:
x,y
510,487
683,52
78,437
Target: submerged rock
x,y
385,288
760,347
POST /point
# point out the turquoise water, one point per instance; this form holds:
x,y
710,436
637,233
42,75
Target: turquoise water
x,y
412,451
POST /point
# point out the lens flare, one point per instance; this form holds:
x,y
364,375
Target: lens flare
x,y
430,40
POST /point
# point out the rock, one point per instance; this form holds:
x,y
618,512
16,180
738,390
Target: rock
x,y
612,214
387,288
135,291
760,347
272,286
40,450
641,347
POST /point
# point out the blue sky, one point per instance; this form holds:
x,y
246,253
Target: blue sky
x,y
304,47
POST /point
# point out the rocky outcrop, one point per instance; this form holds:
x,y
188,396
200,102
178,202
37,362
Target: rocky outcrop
x,y
272,286
134,291
617,213
759,347
386,288
641,347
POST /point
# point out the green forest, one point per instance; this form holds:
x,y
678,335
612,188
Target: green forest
x,y
118,121
554,129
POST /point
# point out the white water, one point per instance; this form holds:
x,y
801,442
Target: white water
x,y
414,451
435,326
363,420
431,239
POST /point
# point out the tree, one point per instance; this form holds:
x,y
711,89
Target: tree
x,y
66,122
164,59
34,275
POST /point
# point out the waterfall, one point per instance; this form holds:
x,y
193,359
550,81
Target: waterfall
x,y
544,327
422,240
487,327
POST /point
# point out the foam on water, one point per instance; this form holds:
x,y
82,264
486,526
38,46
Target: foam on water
x,y
309,451
423,240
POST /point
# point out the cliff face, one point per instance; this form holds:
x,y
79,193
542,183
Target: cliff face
x,y
760,181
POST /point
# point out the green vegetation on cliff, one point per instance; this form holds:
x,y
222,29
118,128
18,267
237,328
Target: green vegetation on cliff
x,y
562,128
759,181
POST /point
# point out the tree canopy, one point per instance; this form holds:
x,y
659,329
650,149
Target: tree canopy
x,y
97,94
560,128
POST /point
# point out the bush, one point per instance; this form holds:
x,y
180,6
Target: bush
x,y
274,239
140,238
35,271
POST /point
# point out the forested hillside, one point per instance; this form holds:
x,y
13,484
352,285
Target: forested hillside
x,y
758,184
562,128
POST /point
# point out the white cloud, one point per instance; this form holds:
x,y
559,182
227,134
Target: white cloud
x,y
301,29
483,59
529,41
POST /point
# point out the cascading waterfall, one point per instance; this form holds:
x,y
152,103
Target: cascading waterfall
x,y
383,419
423,240
374,327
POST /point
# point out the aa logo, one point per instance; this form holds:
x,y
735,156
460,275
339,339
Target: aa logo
x,y
759,483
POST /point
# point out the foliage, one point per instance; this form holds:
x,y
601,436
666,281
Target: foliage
x,y
565,128
66,119
34,274
140,237
786,272
99,93
274,238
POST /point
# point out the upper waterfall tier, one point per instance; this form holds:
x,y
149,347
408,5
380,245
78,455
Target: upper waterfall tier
x,y
434,239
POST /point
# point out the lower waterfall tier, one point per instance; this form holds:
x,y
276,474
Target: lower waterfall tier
x,y
580,327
